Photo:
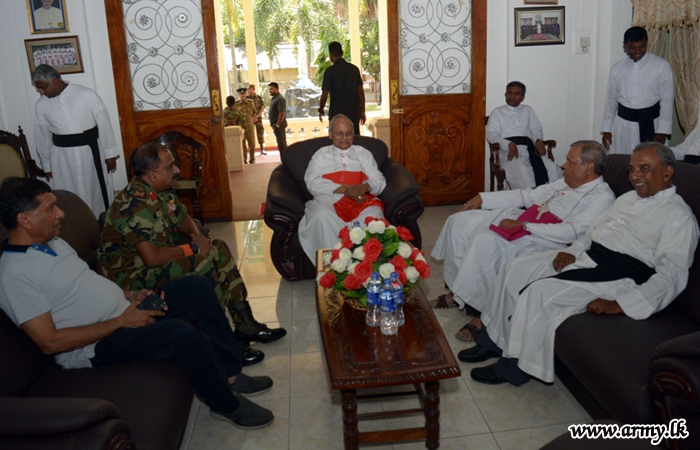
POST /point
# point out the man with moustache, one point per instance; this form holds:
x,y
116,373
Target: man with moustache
x,y
634,260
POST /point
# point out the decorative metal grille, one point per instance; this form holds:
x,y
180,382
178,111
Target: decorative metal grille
x,y
167,59
435,46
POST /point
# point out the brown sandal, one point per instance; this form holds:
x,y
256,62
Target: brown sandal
x,y
473,330
441,302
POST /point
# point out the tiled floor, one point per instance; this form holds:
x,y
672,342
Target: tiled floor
x,y
307,412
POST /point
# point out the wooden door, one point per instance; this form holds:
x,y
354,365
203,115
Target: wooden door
x,y
166,76
437,74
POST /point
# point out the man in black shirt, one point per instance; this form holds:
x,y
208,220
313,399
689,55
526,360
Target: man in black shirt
x,y
277,114
344,83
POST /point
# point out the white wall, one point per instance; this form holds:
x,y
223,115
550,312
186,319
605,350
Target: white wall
x,y
566,89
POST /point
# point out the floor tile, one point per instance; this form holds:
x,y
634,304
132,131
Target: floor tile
x,y
271,309
309,375
479,441
530,438
306,337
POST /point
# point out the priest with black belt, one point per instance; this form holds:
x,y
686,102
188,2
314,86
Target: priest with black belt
x,y
74,139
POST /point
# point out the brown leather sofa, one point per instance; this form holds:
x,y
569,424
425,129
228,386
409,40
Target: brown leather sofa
x,y
287,196
639,371
142,404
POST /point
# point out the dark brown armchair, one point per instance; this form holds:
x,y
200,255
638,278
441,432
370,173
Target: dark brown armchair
x,y
287,196
497,172
186,149
15,159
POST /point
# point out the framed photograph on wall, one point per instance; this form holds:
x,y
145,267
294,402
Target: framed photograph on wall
x,y
63,54
47,16
539,26
541,2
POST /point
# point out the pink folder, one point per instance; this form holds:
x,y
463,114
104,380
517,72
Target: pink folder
x,y
530,215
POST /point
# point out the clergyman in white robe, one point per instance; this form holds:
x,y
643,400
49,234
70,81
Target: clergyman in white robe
x,y
74,110
661,231
690,145
320,225
507,121
48,18
474,255
637,85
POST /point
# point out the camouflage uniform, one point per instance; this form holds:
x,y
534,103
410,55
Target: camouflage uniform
x,y
259,128
233,117
246,109
139,214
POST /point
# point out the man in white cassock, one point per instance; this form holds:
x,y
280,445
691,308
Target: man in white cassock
x,y
344,180
74,139
639,104
517,130
474,254
634,260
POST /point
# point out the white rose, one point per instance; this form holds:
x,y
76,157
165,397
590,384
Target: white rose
x,y
351,267
359,254
338,245
385,270
376,227
339,265
420,257
391,227
357,234
412,274
345,255
327,258
404,250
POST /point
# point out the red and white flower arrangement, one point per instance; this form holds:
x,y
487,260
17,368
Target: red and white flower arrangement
x,y
379,247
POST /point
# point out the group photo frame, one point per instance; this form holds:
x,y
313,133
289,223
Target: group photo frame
x,y
63,54
539,26
47,16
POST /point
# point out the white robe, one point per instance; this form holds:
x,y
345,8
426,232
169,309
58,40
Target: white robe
x,y
320,225
689,146
75,110
506,121
660,231
474,255
47,19
637,85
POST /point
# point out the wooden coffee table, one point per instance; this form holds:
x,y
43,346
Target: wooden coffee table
x,y
359,357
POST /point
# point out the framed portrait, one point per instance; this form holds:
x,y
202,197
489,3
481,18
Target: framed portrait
x,y
541,2
539,26
47,16
63,54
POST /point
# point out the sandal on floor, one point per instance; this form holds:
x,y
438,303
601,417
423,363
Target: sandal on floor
x,y
473,330
441,302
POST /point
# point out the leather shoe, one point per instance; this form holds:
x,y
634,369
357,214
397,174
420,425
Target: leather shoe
x,y
487,375
262,334
250,356
476,354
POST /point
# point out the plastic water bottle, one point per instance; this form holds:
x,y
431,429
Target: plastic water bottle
x,y
398,298
375,285
386,304
356,224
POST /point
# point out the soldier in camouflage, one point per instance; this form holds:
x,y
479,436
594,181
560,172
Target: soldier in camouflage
x,y
246,107
232,116
257,116
141,246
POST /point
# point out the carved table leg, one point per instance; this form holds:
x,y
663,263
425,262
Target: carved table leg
x,y
350,432
432,414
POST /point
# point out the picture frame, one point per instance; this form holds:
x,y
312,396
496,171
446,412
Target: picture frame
x,y
47,16
63,54
541,2
540,26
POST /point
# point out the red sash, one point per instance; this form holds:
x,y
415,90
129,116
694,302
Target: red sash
x,y
347,208
530,215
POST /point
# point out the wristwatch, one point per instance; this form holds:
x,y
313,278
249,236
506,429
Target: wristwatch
x,y
195,248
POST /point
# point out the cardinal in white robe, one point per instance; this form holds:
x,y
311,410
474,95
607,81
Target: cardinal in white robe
x,y
70,110
516,120
344,180
639,103
634,260
48,17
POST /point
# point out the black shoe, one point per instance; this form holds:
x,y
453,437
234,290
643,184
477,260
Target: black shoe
x,y
476,354
262,334
247,385
487,375
247,416
250,356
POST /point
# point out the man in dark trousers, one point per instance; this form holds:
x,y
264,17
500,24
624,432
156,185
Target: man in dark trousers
x,y
344,83
278,115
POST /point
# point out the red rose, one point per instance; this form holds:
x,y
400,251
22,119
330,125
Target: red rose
x,y
414,253
335,254
346,242
372,248
368,219
402,277
386,222
404,234
327,280
423,268
399,262
344,232
351,282
363,270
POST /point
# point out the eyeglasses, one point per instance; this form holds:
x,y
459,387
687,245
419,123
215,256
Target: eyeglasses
x,y
346,134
